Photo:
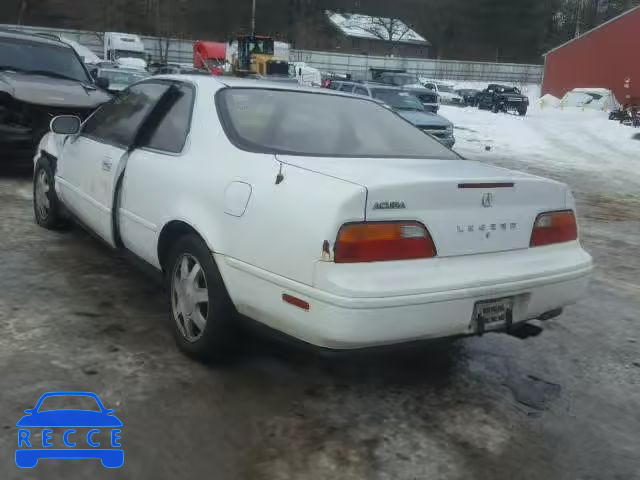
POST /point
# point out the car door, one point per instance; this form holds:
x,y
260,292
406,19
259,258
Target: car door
x,y
152,170
91,161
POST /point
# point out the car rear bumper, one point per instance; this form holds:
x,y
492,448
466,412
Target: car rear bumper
x,y
364,305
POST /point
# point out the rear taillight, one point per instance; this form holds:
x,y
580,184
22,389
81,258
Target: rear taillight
x,y
554,227
379,241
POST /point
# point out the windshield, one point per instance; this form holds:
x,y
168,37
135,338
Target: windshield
x,y
259,46
445,88
129,54
25,56
398,100
302,123
122,77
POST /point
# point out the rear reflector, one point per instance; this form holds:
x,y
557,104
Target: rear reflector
x,y
295,301
380,241
554,227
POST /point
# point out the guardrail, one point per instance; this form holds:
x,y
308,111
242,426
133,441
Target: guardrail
x,y
430,68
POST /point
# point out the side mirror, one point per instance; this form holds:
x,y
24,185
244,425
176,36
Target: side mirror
x,y
102,82
65,125
29,411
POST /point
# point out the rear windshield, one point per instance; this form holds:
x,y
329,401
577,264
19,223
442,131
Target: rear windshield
x,y
314,124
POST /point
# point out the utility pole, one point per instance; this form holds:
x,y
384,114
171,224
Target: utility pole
x,y
253,18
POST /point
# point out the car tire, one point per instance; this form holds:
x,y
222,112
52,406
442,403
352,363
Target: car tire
x,y
204,321
522,112
47,209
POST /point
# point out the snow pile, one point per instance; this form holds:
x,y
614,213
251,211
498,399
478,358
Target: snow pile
x,y
564,141
548,100
591,98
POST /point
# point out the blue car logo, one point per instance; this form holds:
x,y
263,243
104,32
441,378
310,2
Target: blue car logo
x,y
66,428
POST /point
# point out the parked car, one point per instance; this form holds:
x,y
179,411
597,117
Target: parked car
x,y
428,98
397,79
469,96
321,215
407,105
503,98
119,78
39,78
446,92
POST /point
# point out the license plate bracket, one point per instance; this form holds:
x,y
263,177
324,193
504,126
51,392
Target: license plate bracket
x,y
494,314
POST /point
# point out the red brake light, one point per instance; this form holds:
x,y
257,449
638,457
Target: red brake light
x,y
554,227
379,241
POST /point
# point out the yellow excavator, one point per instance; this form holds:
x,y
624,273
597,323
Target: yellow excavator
x,y
256,56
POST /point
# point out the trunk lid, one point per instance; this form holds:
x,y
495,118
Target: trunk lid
x,y
457,200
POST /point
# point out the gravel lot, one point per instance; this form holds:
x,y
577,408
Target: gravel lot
x,y
560,405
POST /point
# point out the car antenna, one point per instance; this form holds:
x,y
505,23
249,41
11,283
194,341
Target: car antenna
x,y
279,177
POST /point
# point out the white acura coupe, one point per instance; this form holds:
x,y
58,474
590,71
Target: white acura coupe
x,y
323,216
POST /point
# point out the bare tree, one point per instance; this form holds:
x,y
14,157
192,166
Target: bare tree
x,y
391,30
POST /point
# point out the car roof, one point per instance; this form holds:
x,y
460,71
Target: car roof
x,y
213,84
17,35
234,82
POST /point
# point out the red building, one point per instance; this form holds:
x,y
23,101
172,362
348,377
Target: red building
x,y
607,56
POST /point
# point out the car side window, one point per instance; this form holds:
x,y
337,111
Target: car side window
x,y
346,87
172,130
430,86
118,121
361,91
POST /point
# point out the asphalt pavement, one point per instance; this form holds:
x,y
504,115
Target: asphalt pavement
x,y
562,404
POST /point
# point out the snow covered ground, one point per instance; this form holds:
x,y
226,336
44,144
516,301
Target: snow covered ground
x,y
571,143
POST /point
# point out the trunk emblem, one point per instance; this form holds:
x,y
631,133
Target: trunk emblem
x,y
388,205
487,200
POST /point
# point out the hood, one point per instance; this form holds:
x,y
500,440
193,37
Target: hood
x,y
424,119
49,91
132,62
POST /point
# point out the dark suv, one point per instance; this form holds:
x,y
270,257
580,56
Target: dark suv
x,y
502,98
39,79
428,97
405,103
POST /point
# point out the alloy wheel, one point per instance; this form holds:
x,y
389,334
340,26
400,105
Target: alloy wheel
x,y
189,297
42,194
